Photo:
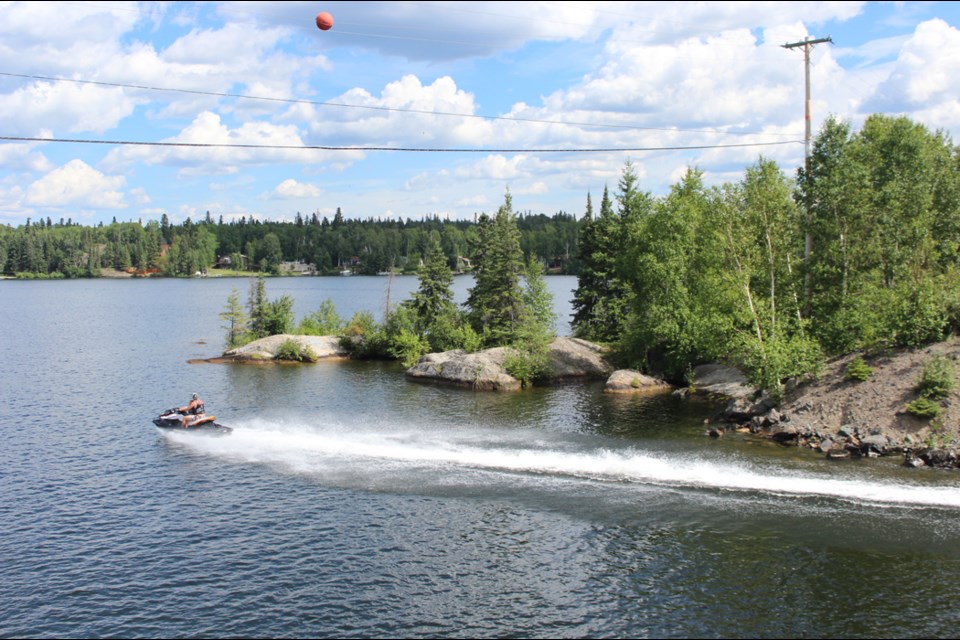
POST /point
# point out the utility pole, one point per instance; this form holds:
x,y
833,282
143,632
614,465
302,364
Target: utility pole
x,y
807,44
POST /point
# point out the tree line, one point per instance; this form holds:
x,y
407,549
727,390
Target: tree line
x,y
66,249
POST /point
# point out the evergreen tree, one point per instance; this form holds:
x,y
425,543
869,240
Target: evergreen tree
x,y
535,329
237,321
602,297
257,304
495,301
434,298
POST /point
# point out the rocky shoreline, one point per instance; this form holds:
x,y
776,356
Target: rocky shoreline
x,y
850,419
832,414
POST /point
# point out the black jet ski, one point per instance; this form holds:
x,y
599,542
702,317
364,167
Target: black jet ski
x,y
170,419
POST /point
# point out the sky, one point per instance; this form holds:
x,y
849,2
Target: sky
x,y
135,110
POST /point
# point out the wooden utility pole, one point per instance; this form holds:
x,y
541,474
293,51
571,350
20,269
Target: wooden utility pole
x,y
807,44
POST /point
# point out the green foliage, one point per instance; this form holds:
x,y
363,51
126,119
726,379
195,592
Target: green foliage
x,y
76,251
937,379
434,297
291,350
773,361
885,226
257,306
450,330
495,302
364,338
278,317
325,321
924,408
526,366
237,322
601,300
407,346
858,370
268,318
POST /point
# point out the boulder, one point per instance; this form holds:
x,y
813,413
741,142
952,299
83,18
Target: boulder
x,y
576,358
481,371
630,381
720,380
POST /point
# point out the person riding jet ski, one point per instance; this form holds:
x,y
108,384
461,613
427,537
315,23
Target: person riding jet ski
x,y
193,413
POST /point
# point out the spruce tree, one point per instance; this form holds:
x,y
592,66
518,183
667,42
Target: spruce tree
x,y
601,299
496,299
237,321
434,298
257,304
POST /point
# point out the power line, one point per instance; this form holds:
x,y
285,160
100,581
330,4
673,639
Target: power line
x,y
319,103
203,145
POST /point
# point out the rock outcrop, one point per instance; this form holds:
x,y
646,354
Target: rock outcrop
x,y
569,358
266,349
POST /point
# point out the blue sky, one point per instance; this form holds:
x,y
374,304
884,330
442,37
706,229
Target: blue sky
x,y
545,99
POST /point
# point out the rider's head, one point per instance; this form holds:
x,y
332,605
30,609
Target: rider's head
x,y
195,396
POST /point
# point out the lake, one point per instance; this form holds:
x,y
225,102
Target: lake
x,y
350,502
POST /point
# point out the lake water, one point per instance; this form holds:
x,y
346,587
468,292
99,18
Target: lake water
x,y
350,502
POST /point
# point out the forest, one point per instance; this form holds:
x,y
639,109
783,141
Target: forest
x,y
65,249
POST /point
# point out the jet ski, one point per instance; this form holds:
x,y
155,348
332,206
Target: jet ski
x,y
170,419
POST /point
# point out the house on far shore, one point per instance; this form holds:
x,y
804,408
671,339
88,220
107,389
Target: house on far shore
x,y
298,268
226,262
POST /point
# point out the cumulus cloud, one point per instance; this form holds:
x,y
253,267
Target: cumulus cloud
x,y
17,156
290,189
925,72
494,167
76,184
209,146
63,107
407,113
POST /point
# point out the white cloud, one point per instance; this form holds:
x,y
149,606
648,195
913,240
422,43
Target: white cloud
x,y
277,144
290,189
140,196
76,184
925,73
407,113
18,156
63,107
494,167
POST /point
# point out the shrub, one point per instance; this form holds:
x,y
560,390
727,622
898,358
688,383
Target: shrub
x,y
923,408
938,378
363,337
527,366
292,351
323,322
407,346
858,370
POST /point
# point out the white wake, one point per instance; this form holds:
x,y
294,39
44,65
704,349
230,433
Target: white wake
x,y
320,451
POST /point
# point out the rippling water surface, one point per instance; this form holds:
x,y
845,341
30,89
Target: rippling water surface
x,y
351,503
